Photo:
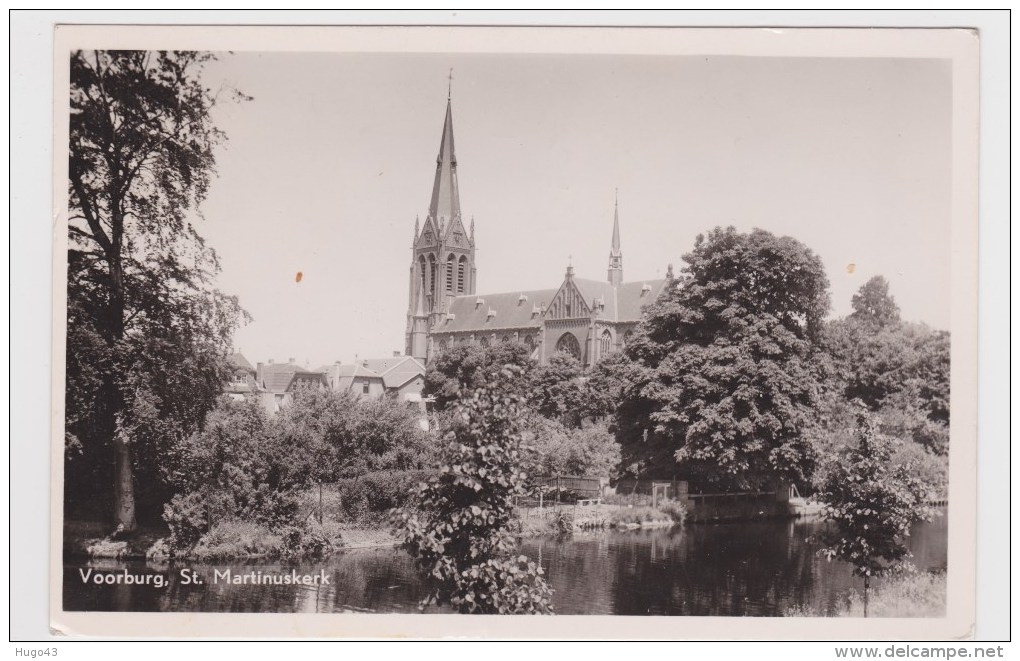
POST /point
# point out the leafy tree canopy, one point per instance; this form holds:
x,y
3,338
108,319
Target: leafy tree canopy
x,y
147,331
726,395
873,305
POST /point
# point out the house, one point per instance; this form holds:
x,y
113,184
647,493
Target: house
x,y
241,381
399,377
277,382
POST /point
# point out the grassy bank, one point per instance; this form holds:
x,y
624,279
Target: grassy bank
x,y
229,540
913,595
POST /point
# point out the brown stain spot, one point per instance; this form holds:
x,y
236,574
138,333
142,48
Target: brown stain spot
x,y
849,267
297,278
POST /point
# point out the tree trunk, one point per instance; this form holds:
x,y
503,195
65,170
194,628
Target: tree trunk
x,y
866,580
123,478
123,486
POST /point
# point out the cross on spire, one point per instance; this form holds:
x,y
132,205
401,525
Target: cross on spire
x,y
449,85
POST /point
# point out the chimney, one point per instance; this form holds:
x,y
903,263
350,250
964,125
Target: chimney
x,y
270,361
290,360
398,354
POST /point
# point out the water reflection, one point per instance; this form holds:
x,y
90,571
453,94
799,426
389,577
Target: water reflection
x,y
758,568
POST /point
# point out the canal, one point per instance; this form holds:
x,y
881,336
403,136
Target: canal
x,y
754,569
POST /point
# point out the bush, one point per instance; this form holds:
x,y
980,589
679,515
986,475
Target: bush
x,y
637,515
312,539
373,494
237,539
186,517
563,521
674,509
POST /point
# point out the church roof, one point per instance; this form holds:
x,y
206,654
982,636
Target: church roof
x,y
512,310
631,297
445,203
622,304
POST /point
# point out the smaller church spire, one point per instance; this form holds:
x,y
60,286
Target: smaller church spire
x,y
416,228
615,254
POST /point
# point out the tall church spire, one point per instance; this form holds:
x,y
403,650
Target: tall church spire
x,y
445,204
615,255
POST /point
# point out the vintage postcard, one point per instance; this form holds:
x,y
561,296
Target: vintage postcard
x,y
611,333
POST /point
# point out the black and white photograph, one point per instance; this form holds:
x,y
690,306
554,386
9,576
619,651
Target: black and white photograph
x,y
543,322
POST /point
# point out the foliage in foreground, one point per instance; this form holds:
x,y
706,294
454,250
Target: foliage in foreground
x,y
915,594
460,535
871,503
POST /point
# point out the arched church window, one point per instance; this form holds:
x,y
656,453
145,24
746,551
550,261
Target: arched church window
x,y
423,269
505,339
443,346
626,337
605,343
529,341
449,273
433,272
568,344
461,269
484,341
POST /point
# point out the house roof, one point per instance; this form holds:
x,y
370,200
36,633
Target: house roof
x,y
238,360
394,371
278,377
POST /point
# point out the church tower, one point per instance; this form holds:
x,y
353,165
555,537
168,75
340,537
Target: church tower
x,y
443,252
615,255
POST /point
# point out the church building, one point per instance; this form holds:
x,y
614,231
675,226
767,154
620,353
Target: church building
x,y
586,318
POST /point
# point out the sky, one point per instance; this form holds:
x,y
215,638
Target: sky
x,y
328,165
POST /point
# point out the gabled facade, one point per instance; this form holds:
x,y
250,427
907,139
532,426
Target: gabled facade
x,y
399,377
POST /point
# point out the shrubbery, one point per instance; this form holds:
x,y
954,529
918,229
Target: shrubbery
x,y
247,467
637,515
373,494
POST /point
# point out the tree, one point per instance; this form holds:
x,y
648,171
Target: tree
x,y
467,366
871,502
561,450
148,334
873,305
557,390
725,390
460,534
338,435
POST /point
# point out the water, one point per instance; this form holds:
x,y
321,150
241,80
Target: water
x,y
756,568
